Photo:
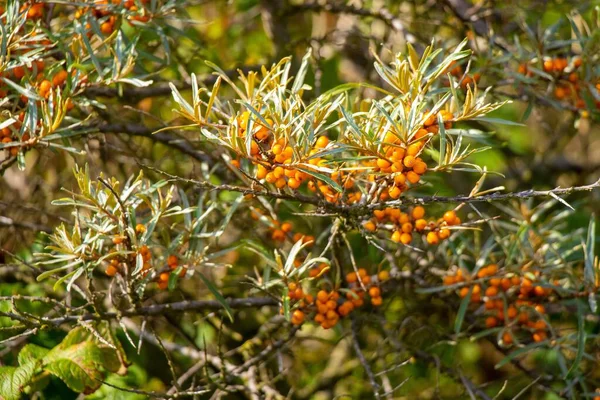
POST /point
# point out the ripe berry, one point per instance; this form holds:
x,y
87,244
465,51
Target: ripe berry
x,y
450,217
111,270
433,238
374,292
383,276
418,212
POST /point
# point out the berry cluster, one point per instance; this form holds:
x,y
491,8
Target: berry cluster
x,y
567,75
328,307
509,299
103,12
34,9
404,225
468,80
280,231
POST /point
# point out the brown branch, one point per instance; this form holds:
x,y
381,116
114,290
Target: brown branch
x,y
159,88
382,14
363,360
161,309
11,223
360,210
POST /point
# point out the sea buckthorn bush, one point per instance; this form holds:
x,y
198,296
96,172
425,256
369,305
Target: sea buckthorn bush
x,y
299,199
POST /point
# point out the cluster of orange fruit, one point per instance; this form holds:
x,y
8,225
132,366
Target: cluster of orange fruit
x,y
7,135
280,231
406,224
399,164
34,9
566,74
509,299
456,70
35,75
274,157
162,279
101,10
329,306
144,251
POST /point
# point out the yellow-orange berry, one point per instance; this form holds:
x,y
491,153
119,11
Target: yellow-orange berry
x,y
409,161
433,238
374,291
383,276
405,238
370,226
376,301
322,142
297,317
450,217
491,322
322,296
418,212
111,270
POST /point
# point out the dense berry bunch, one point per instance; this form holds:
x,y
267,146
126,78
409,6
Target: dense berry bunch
x,y
328,307
513,300
567,76
116,263
406,225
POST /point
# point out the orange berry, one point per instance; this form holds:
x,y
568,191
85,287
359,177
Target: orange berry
x,y
396,236
394,192
111,270
539,336
162,285
140,228
407,227
450,217
286,227
421,224
297,317
433,238
491,322
374,292
322,296
418,212
383,276
370,226
420,167
322,142
507,338
491,291
463,292
444,233
376,301
60,78
413,177
172,261
409,161
118,239
383,164
405,238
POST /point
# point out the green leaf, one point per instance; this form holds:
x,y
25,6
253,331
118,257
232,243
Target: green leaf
x,y
323,178
32,353
462,310
580,341
14,379
80,361
217,295
589,250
